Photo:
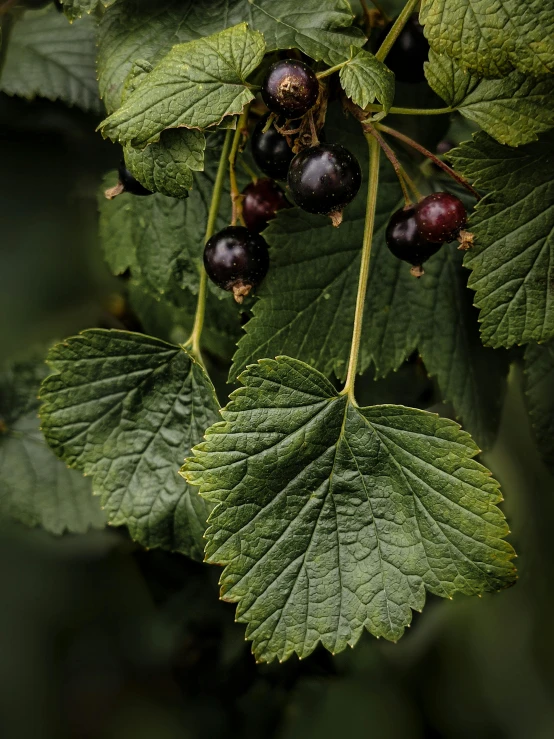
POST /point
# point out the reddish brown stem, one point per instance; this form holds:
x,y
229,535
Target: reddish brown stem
x,y
422,150
391,156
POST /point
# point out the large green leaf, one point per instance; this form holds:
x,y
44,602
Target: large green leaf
x,y
125,409
514,109
35,487
49,57
332,518
196,85
470,376
365,79
140,29
76,8
514,242
539,389
495,36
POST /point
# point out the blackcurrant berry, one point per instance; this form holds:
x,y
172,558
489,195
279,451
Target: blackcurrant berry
x,y
129,183
271,151
440,217
237,260
324,178
405,241
409,51
262,200
290,88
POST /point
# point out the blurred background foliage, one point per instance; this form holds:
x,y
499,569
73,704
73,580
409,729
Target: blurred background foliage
x,y
100,639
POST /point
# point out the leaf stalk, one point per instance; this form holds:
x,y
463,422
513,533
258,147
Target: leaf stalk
x,y
236,197
372,187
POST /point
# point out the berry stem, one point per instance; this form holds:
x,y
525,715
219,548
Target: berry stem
x,y
193,342
401,173
395,31
422,150
372,187
236,197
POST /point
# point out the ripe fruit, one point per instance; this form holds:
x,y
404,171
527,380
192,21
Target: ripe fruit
x,y
129,183
324,178
409,51
271,151
290,88
262,200
440,217
405,241
237,260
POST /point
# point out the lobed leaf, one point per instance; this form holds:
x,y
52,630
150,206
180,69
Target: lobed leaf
x,y
196,85
37,489
48,57
494,37
365,79
514,245
514,109
331,518
124,408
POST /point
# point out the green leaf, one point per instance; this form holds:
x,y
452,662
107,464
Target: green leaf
x,y
332,518
514,109
322,31
140,29
37,489
315,285
47,56
76,8
470,376
196,85
492,38
514,242
364,80
539,389
166,166
125,408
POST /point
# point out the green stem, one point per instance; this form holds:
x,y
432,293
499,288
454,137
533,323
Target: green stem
x,y
194,340
235,193
332,70
395,31
433,157
403,177
373,108
372,187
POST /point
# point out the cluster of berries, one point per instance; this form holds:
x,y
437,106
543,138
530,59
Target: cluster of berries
x,y
321,179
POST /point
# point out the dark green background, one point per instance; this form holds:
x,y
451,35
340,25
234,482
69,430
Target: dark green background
x,y
100,640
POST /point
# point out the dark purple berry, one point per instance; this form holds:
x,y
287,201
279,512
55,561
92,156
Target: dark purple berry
x,y
290,88
271,151
405,241
409,51
129,183
324,178
440,217
262,200
236,259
